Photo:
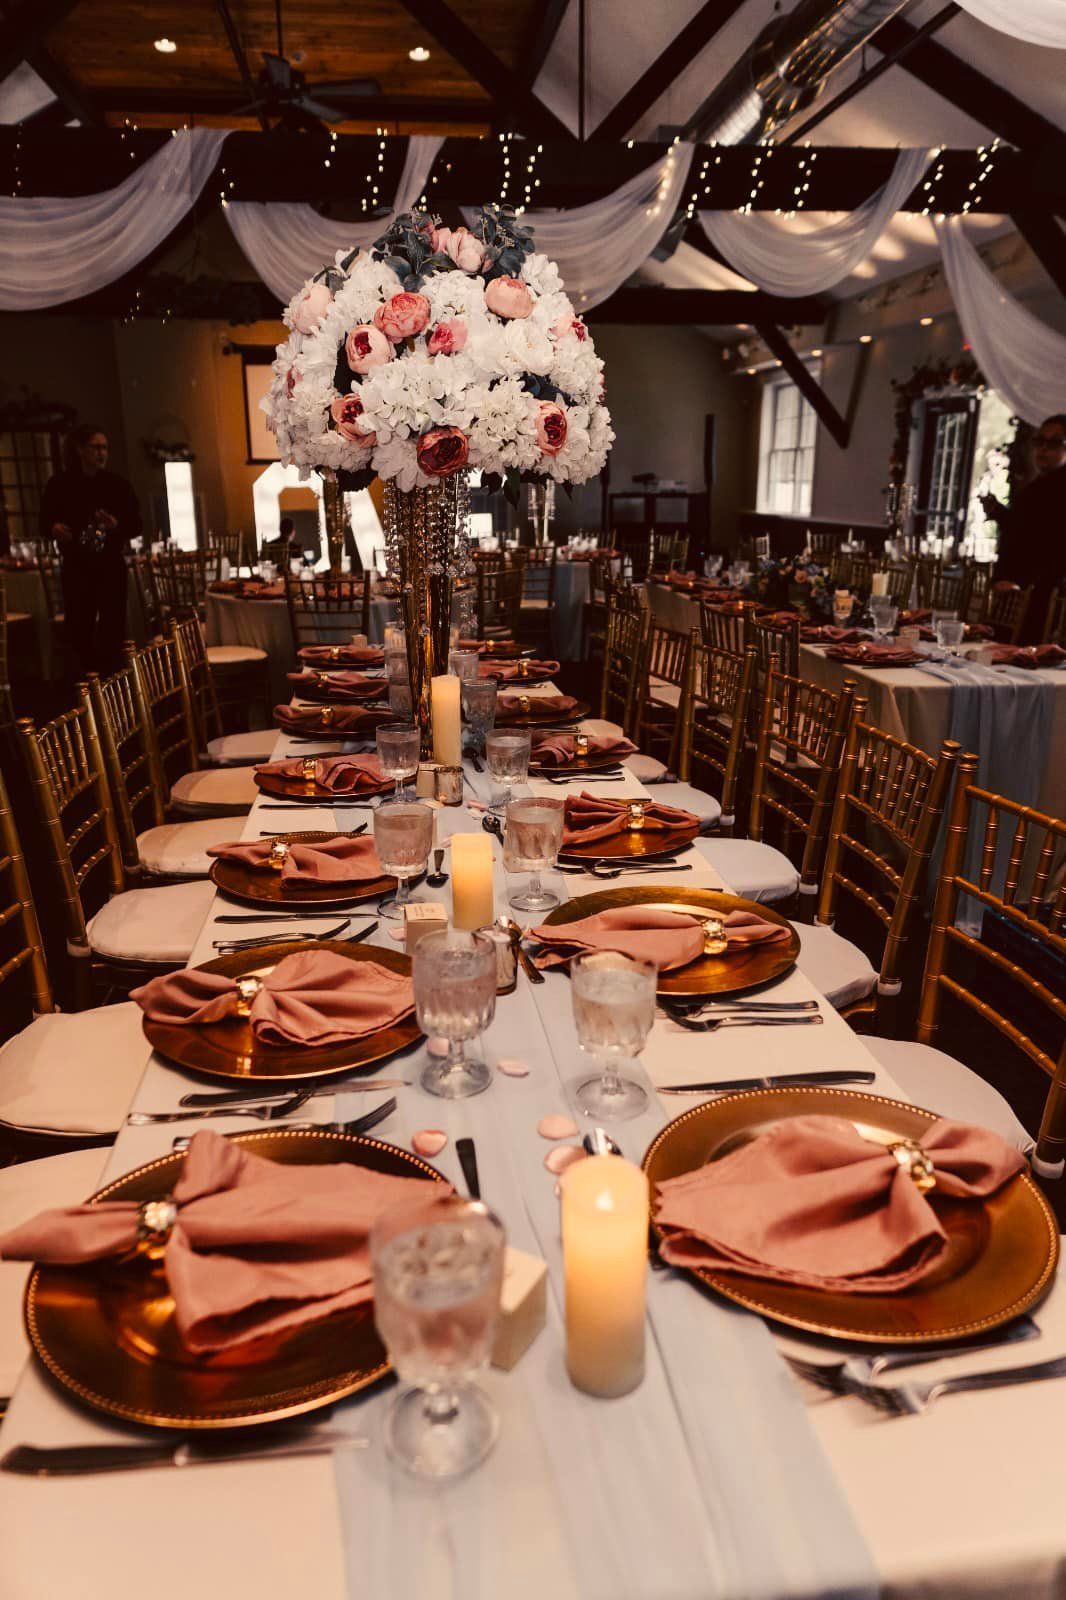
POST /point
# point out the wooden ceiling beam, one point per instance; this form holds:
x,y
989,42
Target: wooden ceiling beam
x,y
73,99
838,427
706,308
27,26
679,53
375,109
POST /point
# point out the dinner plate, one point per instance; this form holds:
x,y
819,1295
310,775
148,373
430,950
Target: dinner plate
x,y
105,1331
540,713
229,1049
261,886
633,844
748,968
316,793
1001,1254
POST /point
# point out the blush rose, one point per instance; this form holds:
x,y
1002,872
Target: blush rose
x,y
345,411
466,251
448,337
562,326
366,347
442,451
508,297
311,307
402,317
551,427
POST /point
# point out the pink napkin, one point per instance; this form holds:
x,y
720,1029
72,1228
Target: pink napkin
x,y
342,774
312,998
589,817
342,655
337,685
813,1203
505,648
557,749
506,671
339,860
547,708
338,719
909,619
829,634
874,655
669,938
267,591
1037,655
258,1247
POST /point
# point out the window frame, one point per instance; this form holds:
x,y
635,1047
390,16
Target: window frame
x,y
805,427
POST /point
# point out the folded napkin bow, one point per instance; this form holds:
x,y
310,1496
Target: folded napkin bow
x,y
589,817
489,647
338,719
813,1203
669,938
828,633
1038,655
337,685
558,749
508,671
312,998
546,707
342,655
875,655
256,1248
338,860
342,774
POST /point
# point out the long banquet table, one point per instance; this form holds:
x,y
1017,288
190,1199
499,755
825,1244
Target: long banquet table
x,y
721,1476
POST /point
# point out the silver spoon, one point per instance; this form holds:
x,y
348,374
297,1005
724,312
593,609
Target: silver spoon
x,y
598,1142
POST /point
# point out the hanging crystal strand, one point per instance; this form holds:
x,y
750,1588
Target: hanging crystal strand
x,y
426,547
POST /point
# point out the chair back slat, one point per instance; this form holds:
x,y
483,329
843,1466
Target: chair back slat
x,y
713,716
165,705
327,610
131,759
1006,611
499,601
21,948
192,654
778,639
724,627
622,664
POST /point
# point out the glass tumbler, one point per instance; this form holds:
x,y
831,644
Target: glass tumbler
x,y
479,708
455,998
507,758
532,836
403,835
614,1007
950,632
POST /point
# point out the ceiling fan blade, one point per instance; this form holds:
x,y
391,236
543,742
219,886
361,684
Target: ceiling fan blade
x,y
319,109
276,70
342,88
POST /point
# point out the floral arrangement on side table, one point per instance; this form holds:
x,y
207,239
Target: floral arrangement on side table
x,y
793,581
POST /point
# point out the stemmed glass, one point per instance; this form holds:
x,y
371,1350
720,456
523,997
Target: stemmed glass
x,y
398,752
532,836
403,834
438,1271
455,997
614,1008
507,758
479,708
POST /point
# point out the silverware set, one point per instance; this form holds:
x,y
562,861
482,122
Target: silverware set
x,y
230,947
264,1095
276,1111
76,1460
783,1080
607,867
363,1124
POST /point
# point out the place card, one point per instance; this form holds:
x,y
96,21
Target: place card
x,y
422,918
523,1307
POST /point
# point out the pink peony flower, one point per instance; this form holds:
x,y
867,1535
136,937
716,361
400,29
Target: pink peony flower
x,y
366,347
402,317
508,297
566,325
447,337
442,451
551,427
292,378
345,411
310,307
466,251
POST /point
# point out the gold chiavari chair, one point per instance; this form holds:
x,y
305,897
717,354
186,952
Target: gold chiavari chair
x,y
622,662
712,718
978,591
900,582
7,704
110,936
889,804
1055,622
926,570
660,688
215,747
1006,611
950,591
536,614
822,546
24,983
862,573
634,547
164,702
724,627
237,548
623,595
667,552
596,607
328,610
779,638
840,566
499,602
181,576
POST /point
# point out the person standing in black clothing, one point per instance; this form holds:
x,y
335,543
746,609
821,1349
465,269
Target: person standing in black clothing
x,y
92,514
1032,544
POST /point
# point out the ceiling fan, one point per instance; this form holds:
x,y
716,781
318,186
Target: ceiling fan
x,y
285,94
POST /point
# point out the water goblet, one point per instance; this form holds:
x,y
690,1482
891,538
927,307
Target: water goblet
x,y
479,708
455,999
463,664
398,752
614,1008
403,835
507,758
532,836
884,611
437,1270
950,632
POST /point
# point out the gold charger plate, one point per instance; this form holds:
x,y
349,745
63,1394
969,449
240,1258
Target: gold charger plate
x,y
1001,1255
229,1049
540,713
576,766
633,844
259,886
746,969
316,793
313,684
105,1331
322,727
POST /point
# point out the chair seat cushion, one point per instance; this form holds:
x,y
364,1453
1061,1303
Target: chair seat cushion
x,y
705,806
215,789
537,605
25,1189
242,749
179,849
234,655
753,870
661,693
73,1072
834,965
938,1082
156,926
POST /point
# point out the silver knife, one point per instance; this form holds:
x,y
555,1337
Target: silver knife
x,y
781,1081
71,1460
236,1097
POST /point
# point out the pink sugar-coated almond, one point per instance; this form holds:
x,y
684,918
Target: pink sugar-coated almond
x,y
437,1046
563,1156
398,933
556,1127
429,1141
513,1067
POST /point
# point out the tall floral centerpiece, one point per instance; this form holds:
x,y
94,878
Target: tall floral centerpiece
x,y
437,351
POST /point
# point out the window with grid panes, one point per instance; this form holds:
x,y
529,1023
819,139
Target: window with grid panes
x,y
28,458
786,449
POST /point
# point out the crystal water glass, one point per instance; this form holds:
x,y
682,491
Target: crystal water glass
x,y
950,632
403,835
532,837
438,1270
884,611
398,752
396,666
507,758
455,998
614,1008
463,664
479,709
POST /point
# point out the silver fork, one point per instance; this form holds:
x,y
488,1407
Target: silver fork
x,y
142,1119
732,1020
910,1399
229,947
829,1375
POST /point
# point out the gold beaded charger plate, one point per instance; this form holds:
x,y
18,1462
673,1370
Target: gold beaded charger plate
x,y
632,844
313,793
105,1331
746,968
539,712
229,1049
262,886
1000,1258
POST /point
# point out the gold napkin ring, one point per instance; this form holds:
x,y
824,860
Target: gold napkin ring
x,y
913,1159
335,652
279,854
247,989
308,768
715,942
581,744
155,1219
635,818
327,716
524,704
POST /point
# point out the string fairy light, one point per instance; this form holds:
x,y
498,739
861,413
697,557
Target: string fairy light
x,y
929,185
985,160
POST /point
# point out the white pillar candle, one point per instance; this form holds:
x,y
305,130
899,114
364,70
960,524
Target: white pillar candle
x,y
394,638
359,640
879,583
605,1255
473,902
447,733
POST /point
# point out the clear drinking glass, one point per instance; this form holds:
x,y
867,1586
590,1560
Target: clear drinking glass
x,y
614,1008
507,758
396,667
950,632
403,834
884,611
438,1270
479,708
455,998
464,664
532,836
398,751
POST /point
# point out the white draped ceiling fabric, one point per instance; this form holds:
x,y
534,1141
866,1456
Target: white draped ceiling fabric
x,y
598,246
1035,21
1021,357
287,244
780,259
59,248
